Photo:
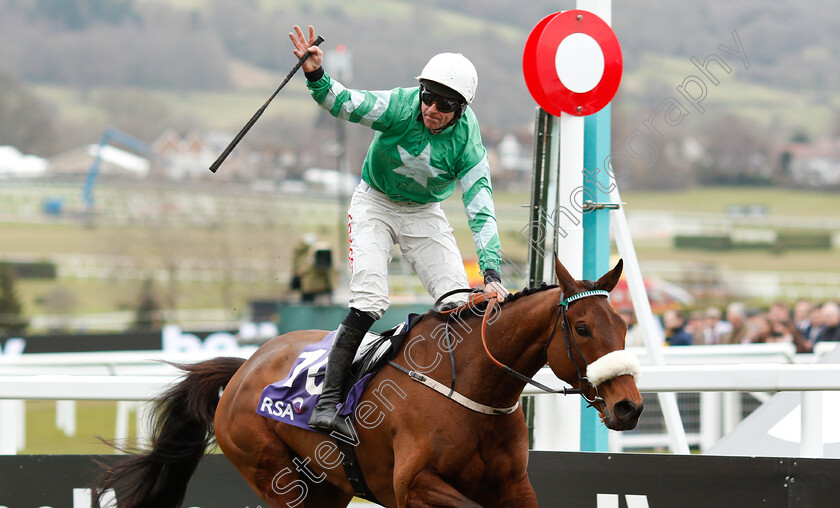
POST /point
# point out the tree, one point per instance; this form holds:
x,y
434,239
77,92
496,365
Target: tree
x,y
24,121
11,310
739,153
60,303
79,14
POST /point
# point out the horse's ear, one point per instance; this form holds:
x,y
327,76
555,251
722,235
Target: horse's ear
x,y
610,279
564,278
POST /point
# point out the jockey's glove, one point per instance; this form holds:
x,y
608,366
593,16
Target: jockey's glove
x,y
491,275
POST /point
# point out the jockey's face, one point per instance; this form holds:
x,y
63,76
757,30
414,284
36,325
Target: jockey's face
x,y
433,119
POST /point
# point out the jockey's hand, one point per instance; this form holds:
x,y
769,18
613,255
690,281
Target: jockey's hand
x,y
302,45
493,283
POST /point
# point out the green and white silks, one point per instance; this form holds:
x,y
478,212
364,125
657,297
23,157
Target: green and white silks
x,y
408,163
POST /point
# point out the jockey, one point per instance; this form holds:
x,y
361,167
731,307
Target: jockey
x,y
427,139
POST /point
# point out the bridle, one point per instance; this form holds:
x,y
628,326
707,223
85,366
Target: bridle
x,y
572,348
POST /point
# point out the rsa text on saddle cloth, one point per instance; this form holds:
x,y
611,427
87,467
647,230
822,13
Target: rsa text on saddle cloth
x,y
292,399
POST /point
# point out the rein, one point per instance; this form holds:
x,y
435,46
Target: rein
x,y
449,392
572,349
570,342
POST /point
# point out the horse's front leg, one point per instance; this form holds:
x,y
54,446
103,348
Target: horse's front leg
x,y
427,490
520,494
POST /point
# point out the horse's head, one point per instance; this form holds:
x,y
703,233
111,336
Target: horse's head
x,y
588,349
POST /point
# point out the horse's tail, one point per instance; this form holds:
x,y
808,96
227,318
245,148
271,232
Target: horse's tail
x,y
182,433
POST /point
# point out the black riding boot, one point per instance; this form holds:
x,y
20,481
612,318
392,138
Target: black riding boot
x,y
324,417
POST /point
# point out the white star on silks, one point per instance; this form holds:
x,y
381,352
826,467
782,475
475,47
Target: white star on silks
x,y
418,168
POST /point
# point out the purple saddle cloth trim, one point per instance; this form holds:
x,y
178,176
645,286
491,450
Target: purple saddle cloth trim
x,y
292,399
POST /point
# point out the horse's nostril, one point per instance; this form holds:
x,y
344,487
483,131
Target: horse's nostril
x,y
627,410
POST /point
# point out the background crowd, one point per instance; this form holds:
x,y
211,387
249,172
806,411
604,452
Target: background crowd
x,y
804,324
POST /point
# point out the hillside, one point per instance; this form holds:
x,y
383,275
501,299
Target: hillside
x,y
96,58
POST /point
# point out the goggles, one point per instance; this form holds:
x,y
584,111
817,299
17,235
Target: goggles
x,y
444,104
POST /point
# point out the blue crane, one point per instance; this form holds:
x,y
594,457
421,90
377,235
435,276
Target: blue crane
x,y
109,136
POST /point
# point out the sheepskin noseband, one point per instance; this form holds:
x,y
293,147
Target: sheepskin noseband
x,y
612,365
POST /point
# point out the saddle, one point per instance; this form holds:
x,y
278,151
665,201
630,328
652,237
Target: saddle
x,y
291,399
375,351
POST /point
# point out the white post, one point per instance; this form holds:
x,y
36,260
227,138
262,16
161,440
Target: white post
x,y
651,332
65,416
710,419
616,442
731,411
568,244
143,419
811,438
121,430
556,417
603,8
8,427
569,216
557,423
20,409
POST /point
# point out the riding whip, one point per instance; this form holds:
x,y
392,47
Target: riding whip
x,y
253,120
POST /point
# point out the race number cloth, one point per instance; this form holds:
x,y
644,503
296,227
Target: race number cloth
x,y
292,399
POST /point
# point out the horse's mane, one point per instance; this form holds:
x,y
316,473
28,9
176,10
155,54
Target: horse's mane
x,y
527,291
589,285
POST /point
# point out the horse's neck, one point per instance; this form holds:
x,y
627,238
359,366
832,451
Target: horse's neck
x,y
515,335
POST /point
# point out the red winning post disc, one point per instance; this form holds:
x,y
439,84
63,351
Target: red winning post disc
x,y
539,63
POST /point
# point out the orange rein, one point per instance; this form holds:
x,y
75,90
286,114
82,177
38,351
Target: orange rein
x,y
473,302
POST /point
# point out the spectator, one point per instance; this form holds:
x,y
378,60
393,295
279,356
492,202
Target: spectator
x,y
675,334
783,328
736,315
634,333
759,329
802,316
696,328
816,323
779,312
830,315
825,327
714,327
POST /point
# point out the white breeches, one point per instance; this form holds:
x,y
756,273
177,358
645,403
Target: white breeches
x,y
425,238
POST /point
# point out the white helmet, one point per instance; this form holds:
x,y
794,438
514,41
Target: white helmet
x,y
452,70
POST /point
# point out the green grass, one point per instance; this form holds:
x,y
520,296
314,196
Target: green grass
x,y
766,106
792,261
780,201
93,418
213,110
153,245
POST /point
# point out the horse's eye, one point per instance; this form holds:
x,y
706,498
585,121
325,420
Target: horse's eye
x,y
582,330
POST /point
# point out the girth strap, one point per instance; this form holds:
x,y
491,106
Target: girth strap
x,y
354,471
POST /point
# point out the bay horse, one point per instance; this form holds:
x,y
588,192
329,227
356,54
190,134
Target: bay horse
x,y
466,446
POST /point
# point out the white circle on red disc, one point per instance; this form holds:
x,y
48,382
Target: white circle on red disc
x,y
579,62
572,63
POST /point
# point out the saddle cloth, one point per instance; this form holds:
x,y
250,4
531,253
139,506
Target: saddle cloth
x,y
292,399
